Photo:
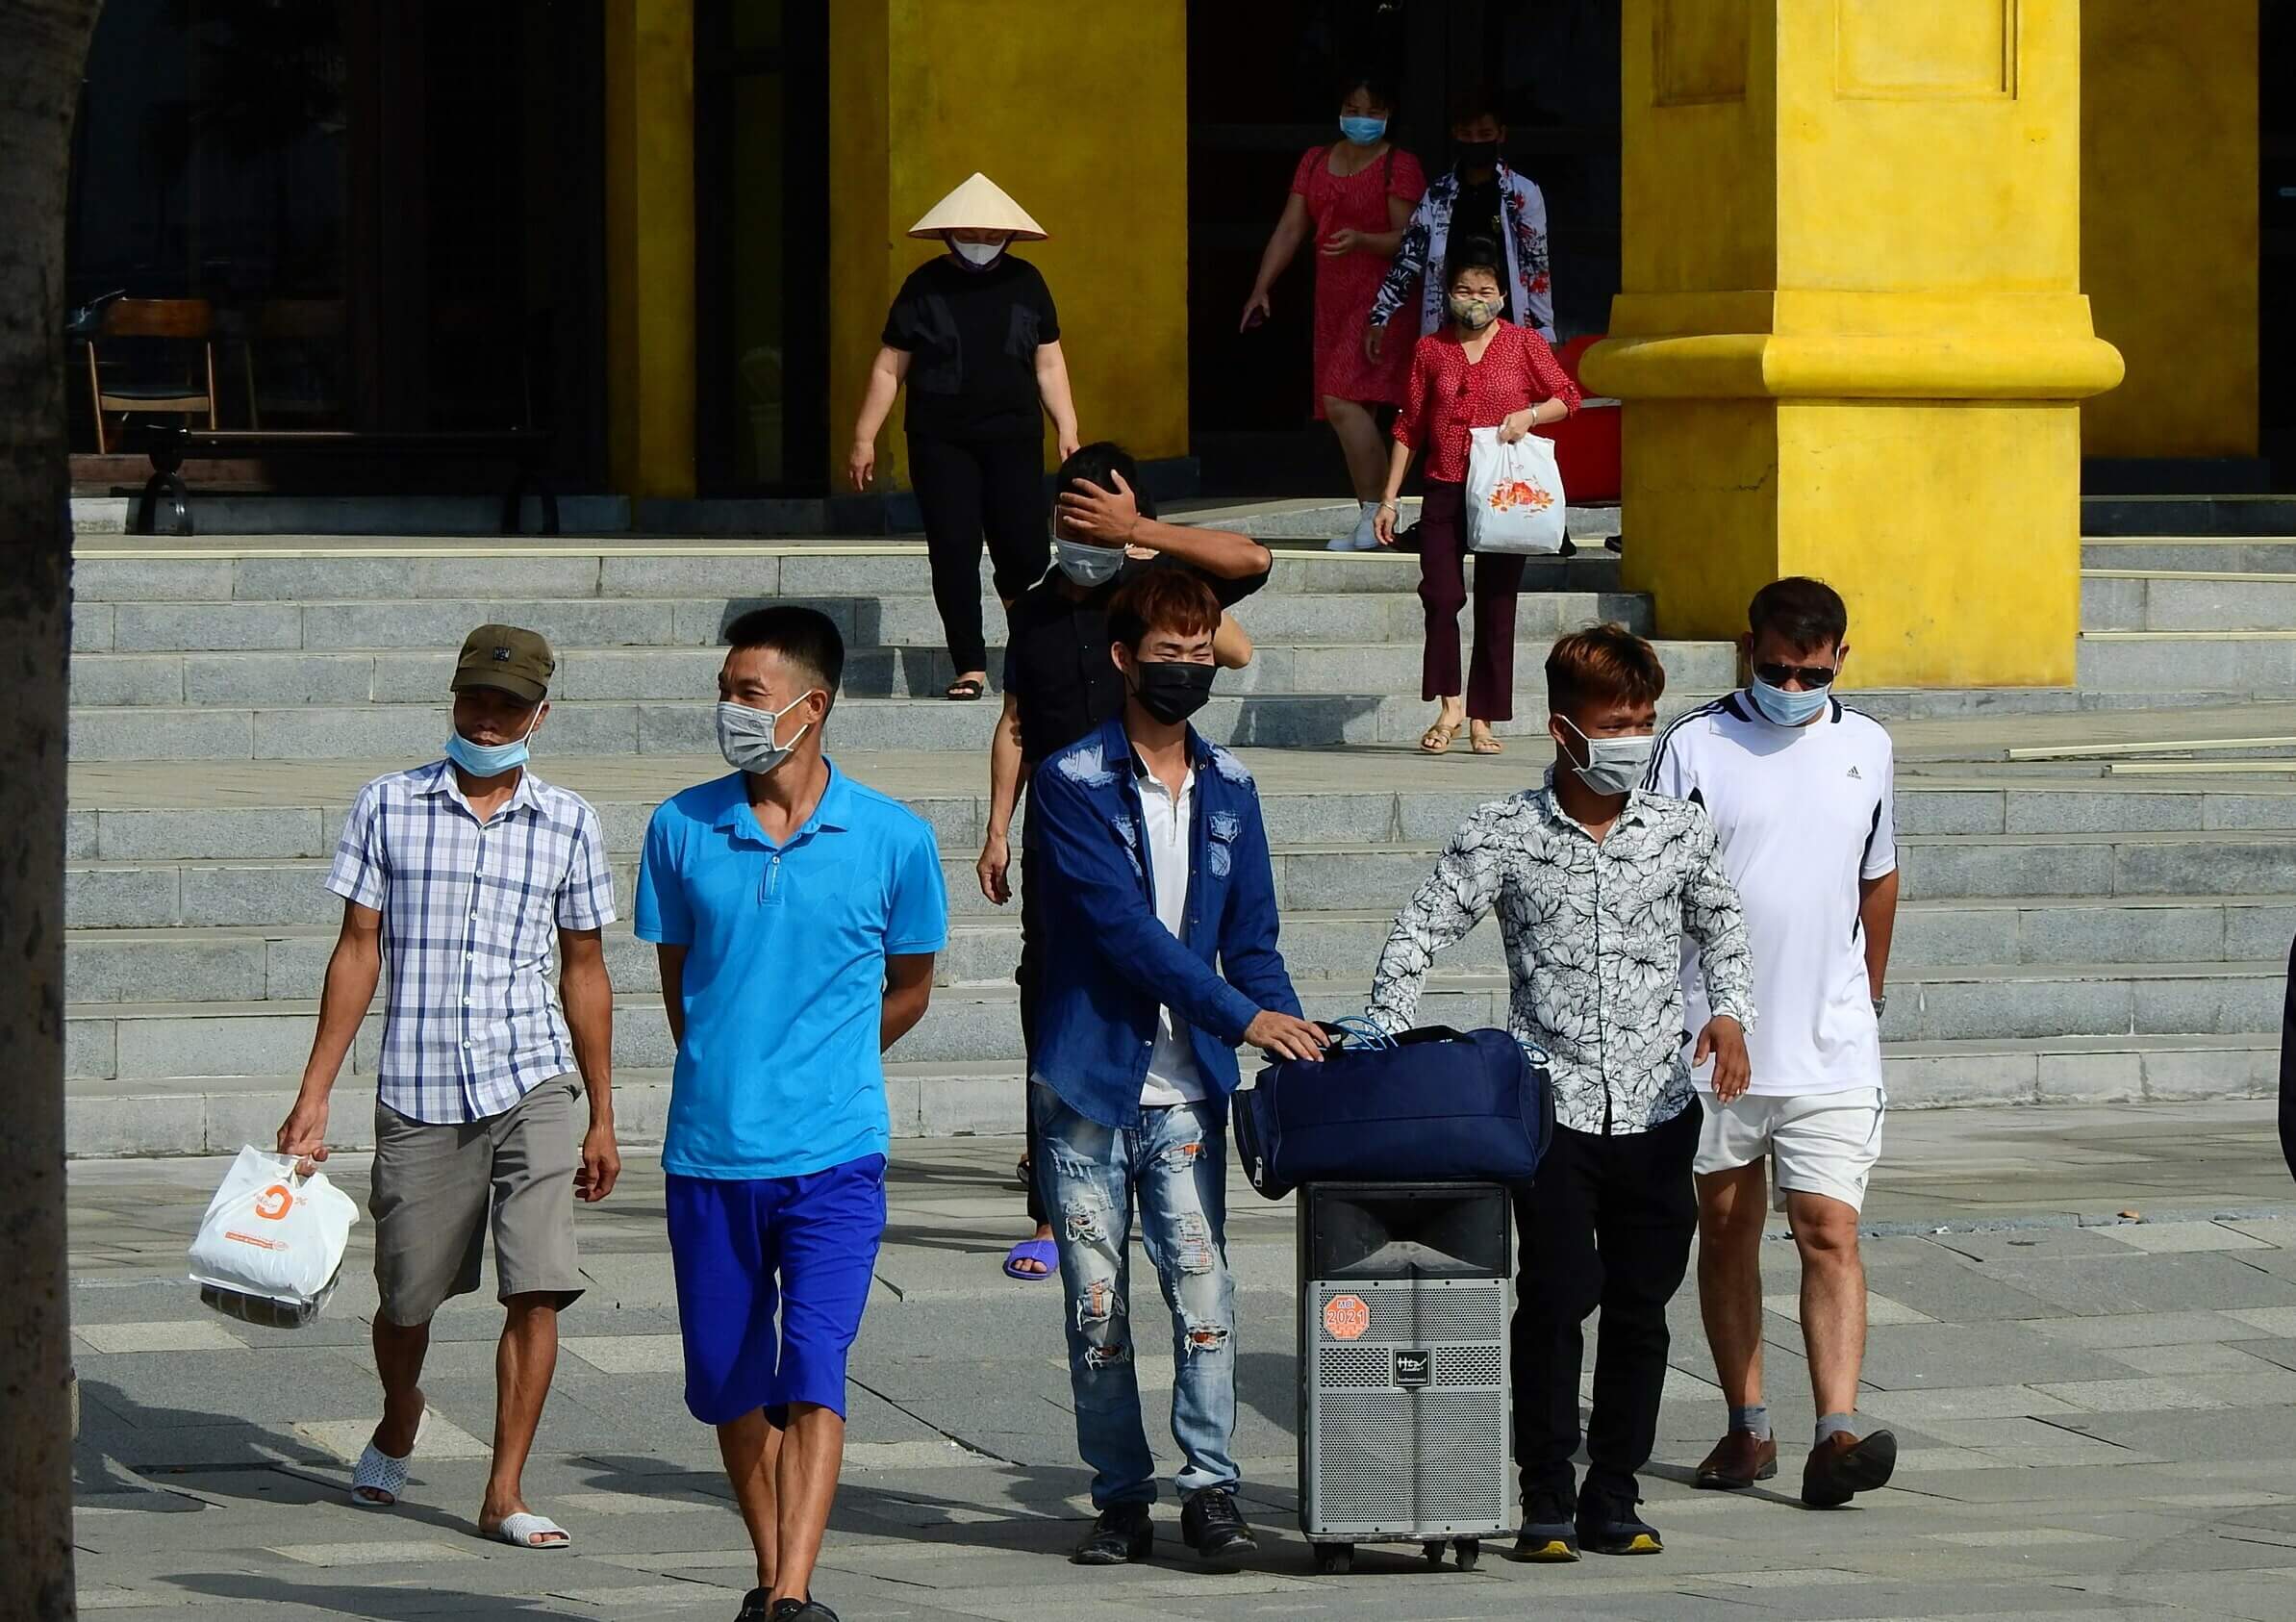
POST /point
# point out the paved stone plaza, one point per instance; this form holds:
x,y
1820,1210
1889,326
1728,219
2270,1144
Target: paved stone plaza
x,y
2099,1417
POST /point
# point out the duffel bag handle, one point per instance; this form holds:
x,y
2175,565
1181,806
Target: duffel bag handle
x,y
1357,1030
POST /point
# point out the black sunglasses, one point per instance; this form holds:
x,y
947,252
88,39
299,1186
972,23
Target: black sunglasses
x,y
1811,675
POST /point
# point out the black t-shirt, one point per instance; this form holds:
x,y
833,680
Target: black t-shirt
x,y
972,338
1056,662
1481,211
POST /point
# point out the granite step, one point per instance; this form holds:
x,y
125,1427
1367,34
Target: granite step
x,y
2101,866
214,1115
275,810
458,574
257,963
162,1040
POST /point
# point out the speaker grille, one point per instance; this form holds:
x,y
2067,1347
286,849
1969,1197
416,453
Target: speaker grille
x,y
1356,1365
1380,1461
1407,1313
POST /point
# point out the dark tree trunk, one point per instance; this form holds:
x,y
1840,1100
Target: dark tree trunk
x,y
43,50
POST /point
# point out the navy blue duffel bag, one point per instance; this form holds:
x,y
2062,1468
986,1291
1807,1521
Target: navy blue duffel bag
x,y
1430,1105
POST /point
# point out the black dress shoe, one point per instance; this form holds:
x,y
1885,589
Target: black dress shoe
x,y
807,1610
1118,1536
1843,1465
1213,1527
757,1606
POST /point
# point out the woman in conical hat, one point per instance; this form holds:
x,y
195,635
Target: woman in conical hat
x,y
975,335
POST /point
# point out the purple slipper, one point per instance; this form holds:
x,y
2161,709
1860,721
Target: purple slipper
x,y
1043,1252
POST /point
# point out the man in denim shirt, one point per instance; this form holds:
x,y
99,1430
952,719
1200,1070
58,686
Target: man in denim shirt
x,y
1158,865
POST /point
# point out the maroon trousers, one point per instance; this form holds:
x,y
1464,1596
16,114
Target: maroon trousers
x,y
1443,590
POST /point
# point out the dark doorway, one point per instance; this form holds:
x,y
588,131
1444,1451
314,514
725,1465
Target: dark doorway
x,y
1261,94
760,160
388,211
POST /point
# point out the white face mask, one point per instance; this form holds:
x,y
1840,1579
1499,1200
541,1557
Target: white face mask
x,y
1088,565
1613,765
979,255
746,736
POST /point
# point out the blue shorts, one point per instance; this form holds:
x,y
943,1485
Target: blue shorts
x,y
804,1247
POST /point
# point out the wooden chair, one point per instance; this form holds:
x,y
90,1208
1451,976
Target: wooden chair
x,y
153,329
302,341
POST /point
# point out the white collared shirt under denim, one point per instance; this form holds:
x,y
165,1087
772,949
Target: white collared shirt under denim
x,y
471,913
1088,1175
1167,823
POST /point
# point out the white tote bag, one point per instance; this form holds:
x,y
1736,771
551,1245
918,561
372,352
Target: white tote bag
x,y
1513,494
271,1235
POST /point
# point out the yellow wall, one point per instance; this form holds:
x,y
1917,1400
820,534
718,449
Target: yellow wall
x,y
2168,222
1084,123
649,246
1851,338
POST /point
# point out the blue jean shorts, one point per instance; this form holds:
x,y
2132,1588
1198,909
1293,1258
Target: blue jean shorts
x,y
773,1274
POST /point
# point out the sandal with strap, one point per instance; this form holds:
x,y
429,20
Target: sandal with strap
x,y
1482,742
1438,739
966,689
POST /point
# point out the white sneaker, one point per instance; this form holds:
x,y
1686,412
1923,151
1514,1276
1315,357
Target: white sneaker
x,y
1363,538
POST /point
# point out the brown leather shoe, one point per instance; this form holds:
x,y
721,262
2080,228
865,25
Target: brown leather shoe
x,y
1739,1461
1843,1465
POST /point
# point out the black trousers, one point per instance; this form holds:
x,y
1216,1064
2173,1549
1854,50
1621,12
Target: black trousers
x,y
1608,1223
967,488
1029,976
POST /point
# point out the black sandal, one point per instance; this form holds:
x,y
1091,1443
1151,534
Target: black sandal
x,y
966,690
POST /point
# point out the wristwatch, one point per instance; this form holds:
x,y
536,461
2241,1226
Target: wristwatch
x,y
1881,1006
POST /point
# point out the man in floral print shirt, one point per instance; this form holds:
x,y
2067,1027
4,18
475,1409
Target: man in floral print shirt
x,y
1596,883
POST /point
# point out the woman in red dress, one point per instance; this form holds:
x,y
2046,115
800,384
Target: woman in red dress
x,y
1479,371
1357,196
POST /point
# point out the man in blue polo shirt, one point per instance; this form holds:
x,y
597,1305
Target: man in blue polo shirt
x,y
796,914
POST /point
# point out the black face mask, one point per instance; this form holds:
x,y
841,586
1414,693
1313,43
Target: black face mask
x,y
1172,690
1476,154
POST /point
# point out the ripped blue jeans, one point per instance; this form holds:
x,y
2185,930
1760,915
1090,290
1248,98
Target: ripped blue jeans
x,y
1087,1177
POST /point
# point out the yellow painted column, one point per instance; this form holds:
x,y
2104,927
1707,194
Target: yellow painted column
x,y
2168,222
1851,335
649,247
1085,125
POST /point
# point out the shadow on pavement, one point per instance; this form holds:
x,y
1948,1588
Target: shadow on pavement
x,y
379,1604
240,1458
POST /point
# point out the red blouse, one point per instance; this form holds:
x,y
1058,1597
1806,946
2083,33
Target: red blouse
x,y
1449,394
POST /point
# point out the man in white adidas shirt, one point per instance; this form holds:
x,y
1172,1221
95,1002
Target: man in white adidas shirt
x,y
1799,789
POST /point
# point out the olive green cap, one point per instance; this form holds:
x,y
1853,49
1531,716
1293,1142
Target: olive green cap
x,y
513,661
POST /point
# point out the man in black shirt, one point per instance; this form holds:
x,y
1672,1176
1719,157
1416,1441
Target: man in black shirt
x,y
1060,682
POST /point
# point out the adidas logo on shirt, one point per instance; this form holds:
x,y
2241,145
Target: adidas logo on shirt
x,y
1854,772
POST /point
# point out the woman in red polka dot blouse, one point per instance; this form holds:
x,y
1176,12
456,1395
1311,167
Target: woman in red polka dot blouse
x,y
1477,372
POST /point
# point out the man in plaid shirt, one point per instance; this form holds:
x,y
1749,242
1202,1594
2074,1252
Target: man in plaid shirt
x,y
460,878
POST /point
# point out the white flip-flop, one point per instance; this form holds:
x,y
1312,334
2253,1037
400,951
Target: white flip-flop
x,y
378,1472
520,1532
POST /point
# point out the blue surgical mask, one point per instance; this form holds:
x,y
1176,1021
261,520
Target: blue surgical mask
x,y
746,737
1613,765
1088,565
1362,131
490,760
1785,707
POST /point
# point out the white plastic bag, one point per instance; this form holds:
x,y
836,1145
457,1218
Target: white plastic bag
x,y
271,1237
1513,494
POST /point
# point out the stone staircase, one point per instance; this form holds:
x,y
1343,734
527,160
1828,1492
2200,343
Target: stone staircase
x,y
2100,883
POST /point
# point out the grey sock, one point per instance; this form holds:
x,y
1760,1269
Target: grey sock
x,y
1752,1419
1832,1422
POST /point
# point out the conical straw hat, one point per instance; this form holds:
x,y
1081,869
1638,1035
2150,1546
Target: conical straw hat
x,y
978,205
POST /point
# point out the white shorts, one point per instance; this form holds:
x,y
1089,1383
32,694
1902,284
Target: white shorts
x,y
1820,1142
